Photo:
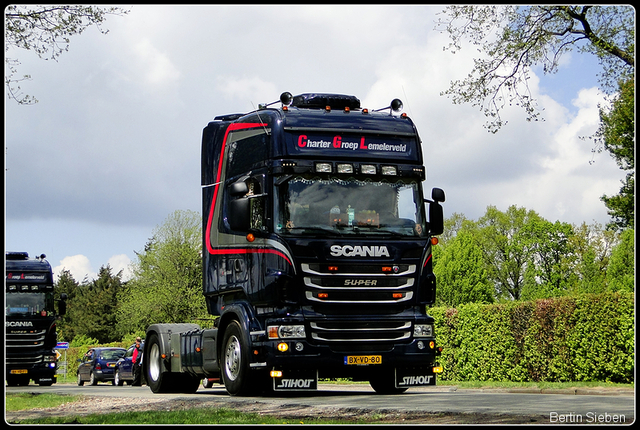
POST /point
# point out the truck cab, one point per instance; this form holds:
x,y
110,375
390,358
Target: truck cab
x,y
30,325
316,250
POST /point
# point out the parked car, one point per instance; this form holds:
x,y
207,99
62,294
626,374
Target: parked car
x,y
124,367
98,364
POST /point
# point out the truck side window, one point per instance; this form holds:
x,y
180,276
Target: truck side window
x,y
257,205
246,150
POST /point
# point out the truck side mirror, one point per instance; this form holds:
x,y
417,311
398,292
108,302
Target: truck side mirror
x,y
239,188
240,214
62,305
436,216
239,206
437,195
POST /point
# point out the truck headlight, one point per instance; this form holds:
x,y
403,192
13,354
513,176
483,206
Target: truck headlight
x,y
423,330
286,332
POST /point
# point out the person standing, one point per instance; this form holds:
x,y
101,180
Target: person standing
x,y
136,359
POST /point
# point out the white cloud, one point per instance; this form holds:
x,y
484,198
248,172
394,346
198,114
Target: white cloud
x,y
247,91
81,268
121,262
78,265
157,67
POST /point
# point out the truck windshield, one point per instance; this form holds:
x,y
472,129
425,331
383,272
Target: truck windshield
x,y
28,303
336,206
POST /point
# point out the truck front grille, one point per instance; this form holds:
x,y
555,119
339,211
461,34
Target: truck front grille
x,y
24,347
335,332
28,339
358,284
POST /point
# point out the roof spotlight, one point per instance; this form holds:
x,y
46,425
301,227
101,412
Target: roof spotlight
x,y
396,106
286,98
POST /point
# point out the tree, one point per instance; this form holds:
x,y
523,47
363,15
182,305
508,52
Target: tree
x,y
621,271
553,256
68,285
460,272
617,135
513,39
45,30
592,245
92,311
167,278
508,250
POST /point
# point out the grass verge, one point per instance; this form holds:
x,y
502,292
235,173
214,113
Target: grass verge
x,y
22,401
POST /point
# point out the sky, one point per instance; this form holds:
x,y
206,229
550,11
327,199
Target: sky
x,y
112,148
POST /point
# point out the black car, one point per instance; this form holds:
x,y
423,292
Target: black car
x,y
124,367
98,364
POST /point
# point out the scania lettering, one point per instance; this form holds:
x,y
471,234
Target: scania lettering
x,y
317,253
359,251
30,320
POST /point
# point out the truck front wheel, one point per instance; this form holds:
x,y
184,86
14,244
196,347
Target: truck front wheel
x,y
235,360
384,382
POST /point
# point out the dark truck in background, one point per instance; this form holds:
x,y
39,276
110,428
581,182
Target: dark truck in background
x,y
30,320
316,253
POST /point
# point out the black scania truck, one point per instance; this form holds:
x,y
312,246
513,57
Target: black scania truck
x,y
30,320
316,253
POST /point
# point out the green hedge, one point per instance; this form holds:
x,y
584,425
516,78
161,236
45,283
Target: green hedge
x,y
584,338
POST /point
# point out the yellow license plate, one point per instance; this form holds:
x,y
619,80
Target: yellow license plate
x,y
363,360
19,371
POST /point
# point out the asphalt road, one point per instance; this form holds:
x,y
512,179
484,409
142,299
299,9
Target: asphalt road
x,y
558,407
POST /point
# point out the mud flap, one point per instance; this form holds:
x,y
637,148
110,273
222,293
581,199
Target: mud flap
x,y
406,378
296,380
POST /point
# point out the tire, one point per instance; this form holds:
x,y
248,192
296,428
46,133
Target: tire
x,y
158,380
92,379
385,383
80,381
117,380
235,360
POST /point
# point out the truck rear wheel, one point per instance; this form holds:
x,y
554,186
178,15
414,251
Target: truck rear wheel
x,y
158,380
235,360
